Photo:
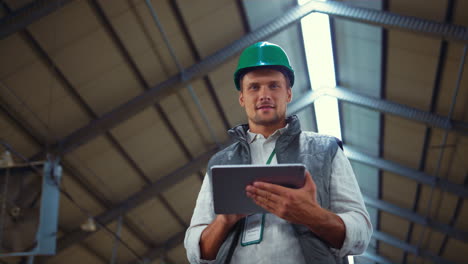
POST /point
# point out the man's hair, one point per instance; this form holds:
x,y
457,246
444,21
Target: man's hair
x,y
273,67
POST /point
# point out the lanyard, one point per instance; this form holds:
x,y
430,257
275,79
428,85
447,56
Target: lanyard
x,y
252,230
271,157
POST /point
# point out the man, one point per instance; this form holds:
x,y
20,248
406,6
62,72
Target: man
x,y
322,222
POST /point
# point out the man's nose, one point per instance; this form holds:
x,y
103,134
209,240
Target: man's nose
x,y
265,94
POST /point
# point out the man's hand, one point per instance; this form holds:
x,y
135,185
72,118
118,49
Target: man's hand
x,y
293,205
214,235
229,220
299,206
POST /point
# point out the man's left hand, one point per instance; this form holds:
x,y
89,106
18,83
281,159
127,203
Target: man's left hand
x,y
293,205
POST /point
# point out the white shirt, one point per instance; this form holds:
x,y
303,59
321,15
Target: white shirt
x,y
279,241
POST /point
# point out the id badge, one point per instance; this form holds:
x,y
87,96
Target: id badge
x,y
252,231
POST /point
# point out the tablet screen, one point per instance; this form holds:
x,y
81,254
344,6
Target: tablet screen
x,y
229,182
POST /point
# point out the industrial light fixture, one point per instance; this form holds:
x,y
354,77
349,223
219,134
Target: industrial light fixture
x,y
89,225
6,161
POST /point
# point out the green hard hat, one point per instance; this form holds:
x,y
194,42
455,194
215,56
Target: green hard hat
x,y
263,54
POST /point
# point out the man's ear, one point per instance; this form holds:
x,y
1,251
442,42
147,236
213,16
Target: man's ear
x,y
290,96
241,98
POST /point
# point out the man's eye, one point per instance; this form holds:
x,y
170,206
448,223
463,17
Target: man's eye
x,y
274,85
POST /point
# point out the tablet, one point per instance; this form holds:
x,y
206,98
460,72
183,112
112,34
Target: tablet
x,y
229,182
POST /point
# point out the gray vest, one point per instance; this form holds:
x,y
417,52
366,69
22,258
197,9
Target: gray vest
x,y
313,150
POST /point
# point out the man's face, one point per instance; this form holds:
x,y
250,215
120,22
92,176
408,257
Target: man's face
x,y
265,94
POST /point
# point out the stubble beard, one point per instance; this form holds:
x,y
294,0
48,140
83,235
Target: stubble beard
x,y
276,119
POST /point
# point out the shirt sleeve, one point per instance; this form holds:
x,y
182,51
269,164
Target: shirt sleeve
x,y
347,202
202,216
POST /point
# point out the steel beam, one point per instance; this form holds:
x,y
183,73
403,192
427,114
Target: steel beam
x,y
149,192
156,93
397,109
27,15
416,218
381,105
384,237
391,20
410,173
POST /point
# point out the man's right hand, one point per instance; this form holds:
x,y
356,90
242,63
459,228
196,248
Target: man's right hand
x,y
215,233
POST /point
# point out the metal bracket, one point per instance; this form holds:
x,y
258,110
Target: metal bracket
x,y
49,209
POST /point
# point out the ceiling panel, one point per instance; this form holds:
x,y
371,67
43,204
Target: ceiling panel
x,y
405,150
16,54
187,120
461,222
40,99
189,188
198,10
16,137
442,204
459,16
412,61
361,128
106,170
87,59
103,242
433,243
435,148
222,79
70,215
398,190
75,255
227,25
358,56
155,220
145,137
415,260
77,21
392,253
16,4
429,9
110,89
455,251
366,177
140,35
388,223
448,84
178,254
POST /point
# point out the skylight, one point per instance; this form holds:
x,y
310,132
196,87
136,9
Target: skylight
x,y
319,55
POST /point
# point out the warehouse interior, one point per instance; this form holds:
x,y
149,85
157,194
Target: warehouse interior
x,y
132,98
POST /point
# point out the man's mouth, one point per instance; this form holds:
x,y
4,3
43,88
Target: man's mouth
x,y
264,107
